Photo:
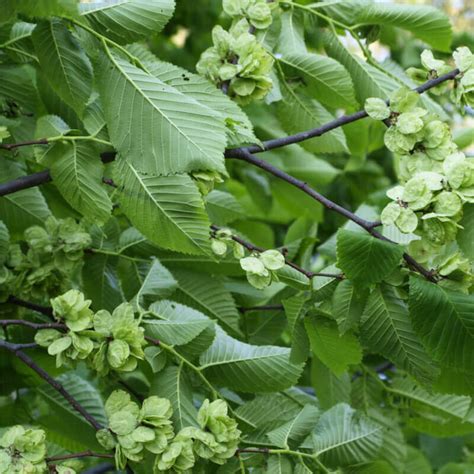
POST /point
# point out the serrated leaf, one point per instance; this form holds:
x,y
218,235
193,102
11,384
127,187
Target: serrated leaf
x,y
46,8
168,210
341,437
24,208
444,320
465,236
127,21
239,129
294,431
82,390
294,311
100,281
175,323
291,38
173,384
329,388
387,330
299,112
69,71
208,295
77,173
348,304
426,22
326,78
4,242
158,283
156,128
248,368
336,351
422,401
365,259
223,208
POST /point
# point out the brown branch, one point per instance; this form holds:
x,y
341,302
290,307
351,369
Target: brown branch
x,y
36,326
17,350
13,146
367,225
46,310
83,454
36,179
254,248
333,124
253,450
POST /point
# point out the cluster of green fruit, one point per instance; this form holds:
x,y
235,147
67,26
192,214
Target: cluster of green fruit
x,y
237,59
133,430
23,450
436,179
45,262
108,341
260,267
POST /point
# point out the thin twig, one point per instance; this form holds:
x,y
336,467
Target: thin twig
x,y
83,454
254,248
369,226
17,350
36,326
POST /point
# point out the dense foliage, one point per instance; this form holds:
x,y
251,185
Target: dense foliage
x,y
172,302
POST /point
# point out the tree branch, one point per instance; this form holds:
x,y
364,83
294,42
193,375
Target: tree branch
x,y
333,124
369,226
36,179
16,349
253,248
46,310
36,326
83,454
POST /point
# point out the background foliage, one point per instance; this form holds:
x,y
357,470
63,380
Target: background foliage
x,y
167,230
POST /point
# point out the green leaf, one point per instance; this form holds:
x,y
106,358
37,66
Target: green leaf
x,y
239,129
47,8
341,437
158,283
83,391
177,324
294,431
167,209
173,384
347,305
329,388
387,330
24,208
77,173
365,259
422,401
465,236
291,39
223,208
416,462
335,351
4,242
294,311
327,79
248,368
299,112
127,21
208,295
426,22
100,281
67,67
444,320
160,131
